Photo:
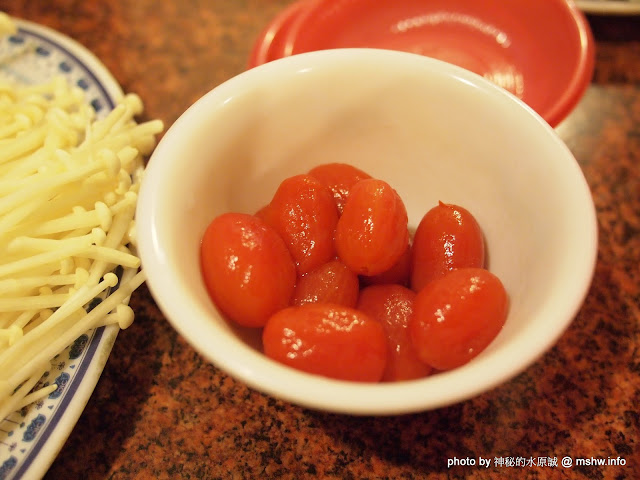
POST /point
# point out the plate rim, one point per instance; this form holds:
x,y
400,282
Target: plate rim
x,y
606,7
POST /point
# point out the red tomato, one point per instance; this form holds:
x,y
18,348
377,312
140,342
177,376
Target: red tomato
x,y
329,340
332,282
399,273
372,232
456,316
339,178
447,237
304,213
247,268
264,214
392,306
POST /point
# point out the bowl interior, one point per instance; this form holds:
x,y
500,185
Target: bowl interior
x,y
434,132
540,51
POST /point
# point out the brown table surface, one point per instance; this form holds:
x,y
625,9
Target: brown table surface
x,y
160,411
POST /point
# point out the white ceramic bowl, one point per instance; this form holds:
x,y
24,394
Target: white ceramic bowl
x,y
430,129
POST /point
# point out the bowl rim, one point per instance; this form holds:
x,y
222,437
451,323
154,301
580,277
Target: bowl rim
x,y
260,373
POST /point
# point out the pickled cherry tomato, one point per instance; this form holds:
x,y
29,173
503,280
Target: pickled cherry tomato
x,y
264,213
339,178
304,213
247,268
392,306
456,316
329,340
399,273
328,269
331,282
372,232
447,237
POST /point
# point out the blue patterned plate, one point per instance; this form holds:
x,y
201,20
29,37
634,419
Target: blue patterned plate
x,y
31,439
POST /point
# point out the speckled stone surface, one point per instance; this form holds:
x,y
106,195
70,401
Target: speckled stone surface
x,y
160,411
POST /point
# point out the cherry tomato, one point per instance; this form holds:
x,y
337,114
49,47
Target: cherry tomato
x,y
247,268
447,237
326,339
264,213
304,213
339,178
332,282
399,273
456,316
392,306
372,232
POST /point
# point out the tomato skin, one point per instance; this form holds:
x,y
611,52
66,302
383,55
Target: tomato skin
x,y
399,273
392,306
264,213
447,237
329,340
457,316
304,213
339,178
247,268
331,282
372,232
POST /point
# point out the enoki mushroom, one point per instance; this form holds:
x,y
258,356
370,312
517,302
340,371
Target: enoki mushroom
x,y
68,191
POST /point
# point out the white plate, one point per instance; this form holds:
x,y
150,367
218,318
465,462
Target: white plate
x,y
609,7
31,439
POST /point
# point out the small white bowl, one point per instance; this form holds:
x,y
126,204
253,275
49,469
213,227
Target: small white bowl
x,y
433,131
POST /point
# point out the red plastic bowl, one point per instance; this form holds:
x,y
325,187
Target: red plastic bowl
x,y
270,44
541,51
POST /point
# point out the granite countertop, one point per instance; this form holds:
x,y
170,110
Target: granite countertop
x,y
161,411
